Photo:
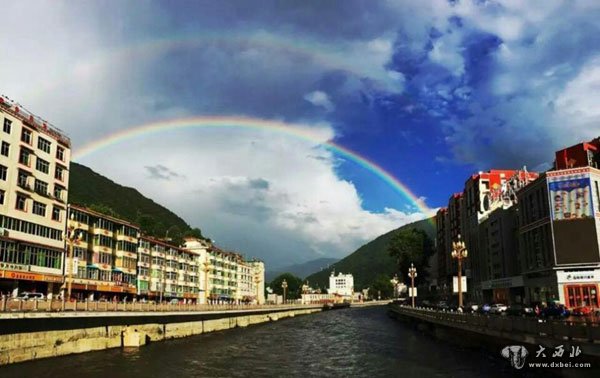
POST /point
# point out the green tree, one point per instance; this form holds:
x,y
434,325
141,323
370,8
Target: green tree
x,y
175,234
381,286
411,246
294,285
146,223
193,233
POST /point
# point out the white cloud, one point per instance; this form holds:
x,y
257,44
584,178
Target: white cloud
x,y
320,98
270,195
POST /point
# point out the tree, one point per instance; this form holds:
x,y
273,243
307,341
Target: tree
x,y
294,285
381,286
146,223
411,246
174,233
194,233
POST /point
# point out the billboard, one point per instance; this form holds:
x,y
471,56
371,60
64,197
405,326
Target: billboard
x,y
570,198
572,211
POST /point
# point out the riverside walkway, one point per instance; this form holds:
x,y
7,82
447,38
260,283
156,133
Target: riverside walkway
x,y
508,328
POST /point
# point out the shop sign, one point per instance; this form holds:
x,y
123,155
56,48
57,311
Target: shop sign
x,y
11,266
580,276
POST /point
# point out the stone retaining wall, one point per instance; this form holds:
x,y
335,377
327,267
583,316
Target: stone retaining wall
x,y
25,346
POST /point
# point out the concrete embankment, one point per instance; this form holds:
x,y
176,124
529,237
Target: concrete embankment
x,y
496,332
25,337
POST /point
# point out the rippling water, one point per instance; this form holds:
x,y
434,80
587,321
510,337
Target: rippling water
x,y
344,343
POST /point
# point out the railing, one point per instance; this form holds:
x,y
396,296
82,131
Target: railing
x,y
585,329
15,305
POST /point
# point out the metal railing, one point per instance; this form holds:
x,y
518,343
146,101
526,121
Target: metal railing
x,y
581,329
11,305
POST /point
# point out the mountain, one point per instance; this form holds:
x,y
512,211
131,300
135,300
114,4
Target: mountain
x,y
301,270
369,260
88,188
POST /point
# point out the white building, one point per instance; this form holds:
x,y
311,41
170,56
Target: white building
x,y
226,276
342,284
34,180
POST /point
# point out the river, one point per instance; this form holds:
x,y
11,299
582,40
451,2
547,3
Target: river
x,y
356,342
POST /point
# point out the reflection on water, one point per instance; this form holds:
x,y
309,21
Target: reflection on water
x,y
344,343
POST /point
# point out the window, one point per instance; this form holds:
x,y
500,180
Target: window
x,y
39,208
42,165
22,179
597,194
55,213
3,172
30,228
105,258
21,201
7,125
58,173
60,153
26,136
44,145
24,156
5,149
41,187
1,197
58,195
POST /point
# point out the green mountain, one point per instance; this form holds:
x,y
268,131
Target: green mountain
x,y
370,260
88,188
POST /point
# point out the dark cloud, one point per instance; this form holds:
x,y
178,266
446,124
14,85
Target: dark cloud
x,y
160,172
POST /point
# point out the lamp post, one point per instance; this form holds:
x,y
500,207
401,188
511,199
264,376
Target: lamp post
x,y
71,237
459,252
284,286
412,273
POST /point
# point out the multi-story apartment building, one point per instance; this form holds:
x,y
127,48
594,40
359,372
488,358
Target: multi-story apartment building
x,y
34,178
226,276
168,272
105,252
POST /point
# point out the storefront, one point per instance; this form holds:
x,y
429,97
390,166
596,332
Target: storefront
x,y
15,278
509,290
579,287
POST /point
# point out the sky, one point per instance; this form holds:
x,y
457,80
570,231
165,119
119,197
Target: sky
x,y
430,91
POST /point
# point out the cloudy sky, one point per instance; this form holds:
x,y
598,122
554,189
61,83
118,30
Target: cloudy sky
x,y
429,90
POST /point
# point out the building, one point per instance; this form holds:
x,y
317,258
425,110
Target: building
x,y
34,180
105,253
558,234
167,272
226,276
469,214
441,251
341,285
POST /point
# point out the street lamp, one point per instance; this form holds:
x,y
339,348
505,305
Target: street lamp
x,y
412,273
459,252
284,286
71,237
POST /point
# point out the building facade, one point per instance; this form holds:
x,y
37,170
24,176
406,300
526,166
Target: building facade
x,y
167,272
558,230
341,285
34,180
102,259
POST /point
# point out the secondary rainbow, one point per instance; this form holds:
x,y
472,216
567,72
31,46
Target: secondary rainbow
x,y
227,122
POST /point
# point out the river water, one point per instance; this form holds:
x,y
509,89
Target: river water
x,y
355,342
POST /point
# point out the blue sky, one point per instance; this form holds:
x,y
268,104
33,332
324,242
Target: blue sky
x,y
430,90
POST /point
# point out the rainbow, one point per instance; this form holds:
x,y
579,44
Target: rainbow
x,y
298,131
